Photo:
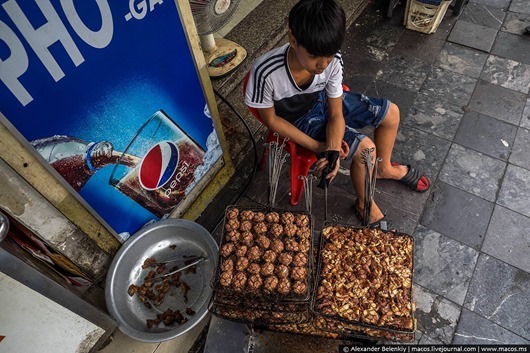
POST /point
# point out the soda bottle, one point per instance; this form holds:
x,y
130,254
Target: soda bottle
x,y
76,160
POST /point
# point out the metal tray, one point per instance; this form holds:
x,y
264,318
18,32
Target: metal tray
x,y
261,295
318,279
305,329
161,240
349,331
290,307
258,317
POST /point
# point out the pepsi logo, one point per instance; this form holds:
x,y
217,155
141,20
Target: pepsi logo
x,y
158,165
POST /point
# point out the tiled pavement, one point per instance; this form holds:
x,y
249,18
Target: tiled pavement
x,y
463,93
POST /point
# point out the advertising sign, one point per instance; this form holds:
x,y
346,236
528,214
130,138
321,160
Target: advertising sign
x,y
108,94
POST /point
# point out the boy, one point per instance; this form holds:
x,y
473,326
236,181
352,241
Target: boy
x,y
297,90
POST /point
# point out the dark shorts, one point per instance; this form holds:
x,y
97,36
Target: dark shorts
x,y
359,112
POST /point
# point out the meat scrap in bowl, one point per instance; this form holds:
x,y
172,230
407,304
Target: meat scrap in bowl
x,y
152,293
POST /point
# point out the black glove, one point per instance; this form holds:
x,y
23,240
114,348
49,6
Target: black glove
x,y
332,157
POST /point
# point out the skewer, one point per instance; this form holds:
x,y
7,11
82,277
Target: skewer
x,y
276,158
308,190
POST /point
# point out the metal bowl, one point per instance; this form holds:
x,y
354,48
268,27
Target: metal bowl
x,y
153,241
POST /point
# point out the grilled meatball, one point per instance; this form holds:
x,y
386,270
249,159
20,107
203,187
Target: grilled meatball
x,y
270,284
277,246
226,249
272,217
263,242
259,217
282,271
246,215
254,253
287,218
254,282
267,269
284,286
285,259
225,279
232,213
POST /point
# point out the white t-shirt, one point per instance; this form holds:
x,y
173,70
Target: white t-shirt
x,y
271,84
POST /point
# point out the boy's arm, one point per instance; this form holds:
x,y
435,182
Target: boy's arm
x,y
336,125
286,129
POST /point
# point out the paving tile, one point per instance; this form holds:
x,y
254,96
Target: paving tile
x,y
498,102
361,62
449,86
499,292
384,36
474,329
403,72
515,22
258,189
340,207
401,213
425,339
461,59
525,121
434,116
376,31
402,206
507,73
473,172
483,15
484,134
398,95
502,4
457,214
443,265
507,238
515,191
421,46
423,151
436,317
473,35
512,46
520,6
360,70
520,155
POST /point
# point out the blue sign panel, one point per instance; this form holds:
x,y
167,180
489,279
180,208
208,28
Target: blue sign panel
x,y
108,94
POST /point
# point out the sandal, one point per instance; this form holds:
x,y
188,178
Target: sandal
x,y
413,177
381,223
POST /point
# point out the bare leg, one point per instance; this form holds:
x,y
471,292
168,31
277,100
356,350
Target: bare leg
x,y
384,138
357,173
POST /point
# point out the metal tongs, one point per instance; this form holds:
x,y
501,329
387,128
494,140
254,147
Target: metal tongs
x,y
159,278
369,185
324,182
175,259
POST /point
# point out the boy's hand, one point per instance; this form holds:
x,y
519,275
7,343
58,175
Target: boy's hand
x,y
344,150
327,166
328,162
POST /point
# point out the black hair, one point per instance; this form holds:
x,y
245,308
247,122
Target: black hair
x,y
318,25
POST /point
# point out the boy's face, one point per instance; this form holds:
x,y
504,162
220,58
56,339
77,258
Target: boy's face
x,y
313,64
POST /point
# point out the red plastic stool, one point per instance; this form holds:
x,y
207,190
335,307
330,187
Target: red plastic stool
x,y
301,158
